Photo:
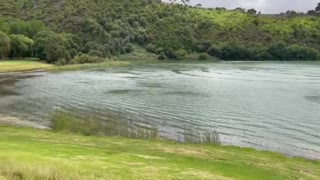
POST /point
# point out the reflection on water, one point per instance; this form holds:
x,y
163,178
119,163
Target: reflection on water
x,y
270,105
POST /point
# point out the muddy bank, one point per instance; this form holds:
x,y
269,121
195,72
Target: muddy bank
x,y
8,80
14,121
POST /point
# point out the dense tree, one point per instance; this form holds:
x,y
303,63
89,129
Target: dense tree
x,y
21,46
234,51
111,28
318,7
296,52
27,28
252,11
52,47
278,50
4,45
312,12
199,5
3,26
239,9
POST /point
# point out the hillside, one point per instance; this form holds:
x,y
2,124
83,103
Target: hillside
x,y
171,31
37,154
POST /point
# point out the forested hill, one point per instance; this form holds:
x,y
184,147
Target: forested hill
x,y
110,27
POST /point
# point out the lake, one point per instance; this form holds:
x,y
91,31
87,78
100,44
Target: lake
x,y
265,105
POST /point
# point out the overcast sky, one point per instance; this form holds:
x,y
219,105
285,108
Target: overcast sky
x,y
265,6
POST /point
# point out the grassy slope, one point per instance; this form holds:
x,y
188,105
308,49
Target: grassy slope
x,y
30,154
28,65
22,65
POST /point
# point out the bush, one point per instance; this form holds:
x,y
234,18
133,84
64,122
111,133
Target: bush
x,y
214,51
260,53
235,51
180,54
203,56
278,51
61,62
162,56
203,47
170,54
95,53
281,51
128,48
296,52
159,50
85,58
151,48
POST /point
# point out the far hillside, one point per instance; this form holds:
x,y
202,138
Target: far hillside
x,y
84,31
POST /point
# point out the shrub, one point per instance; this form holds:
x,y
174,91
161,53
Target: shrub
x,y
151,48
281,51
203,56
128,48
235,51
159,50
278,51
260,53
180,54
162,56
85,58
296,52
95,53
214,51
61,62
203,47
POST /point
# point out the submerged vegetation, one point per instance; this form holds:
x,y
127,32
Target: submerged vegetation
x,y
81,31
124,125
113,126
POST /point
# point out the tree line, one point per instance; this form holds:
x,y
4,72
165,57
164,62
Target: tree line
x,y
79,31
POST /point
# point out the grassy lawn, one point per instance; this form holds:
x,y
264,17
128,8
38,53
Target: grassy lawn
x,y
38,154
22,65
29,65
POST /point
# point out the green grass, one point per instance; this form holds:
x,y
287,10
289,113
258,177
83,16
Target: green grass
x,y
38,154
22,65
31,64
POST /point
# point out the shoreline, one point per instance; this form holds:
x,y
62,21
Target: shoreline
x,y
37,67
263,149
18,123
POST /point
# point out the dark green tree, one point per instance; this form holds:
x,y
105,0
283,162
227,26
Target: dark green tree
x,y
318,7
21,46
252,11
4,45
51,47
27,28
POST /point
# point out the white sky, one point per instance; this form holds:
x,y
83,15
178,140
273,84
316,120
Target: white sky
x,y
265,6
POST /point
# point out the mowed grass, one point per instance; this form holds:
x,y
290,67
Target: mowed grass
x,y
29,65
38,154
22,65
